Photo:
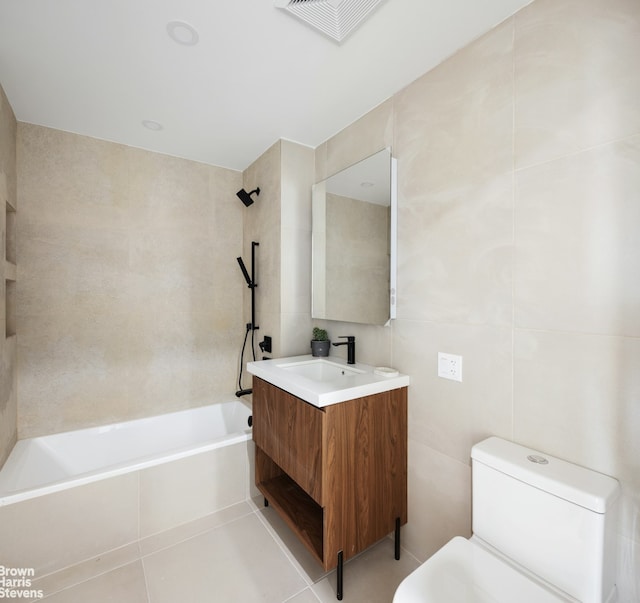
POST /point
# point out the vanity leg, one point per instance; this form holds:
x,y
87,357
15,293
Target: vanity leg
x,y
397,539
339,573
266,502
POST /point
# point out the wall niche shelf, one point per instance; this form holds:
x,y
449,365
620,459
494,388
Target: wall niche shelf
x,y
10,268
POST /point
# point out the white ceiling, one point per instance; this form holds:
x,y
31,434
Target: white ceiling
x,y
101,67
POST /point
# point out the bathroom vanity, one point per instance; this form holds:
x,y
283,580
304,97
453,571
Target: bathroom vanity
x,y
331,452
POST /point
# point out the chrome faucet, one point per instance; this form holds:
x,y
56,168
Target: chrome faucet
x,y
351,347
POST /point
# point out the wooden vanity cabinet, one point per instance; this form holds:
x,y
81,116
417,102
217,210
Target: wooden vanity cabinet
x,y
337,475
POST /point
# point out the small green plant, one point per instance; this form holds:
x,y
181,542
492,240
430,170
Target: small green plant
x,y
319,334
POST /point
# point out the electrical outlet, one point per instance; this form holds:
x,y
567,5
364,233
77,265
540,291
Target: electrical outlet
x,y
450,366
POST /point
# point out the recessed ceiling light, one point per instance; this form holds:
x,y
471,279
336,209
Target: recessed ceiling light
x,y
152,125
182,33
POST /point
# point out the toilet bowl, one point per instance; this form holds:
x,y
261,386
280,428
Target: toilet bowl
x,y
465,571
543,532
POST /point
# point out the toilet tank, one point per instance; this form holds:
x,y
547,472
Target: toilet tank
x,y
554,518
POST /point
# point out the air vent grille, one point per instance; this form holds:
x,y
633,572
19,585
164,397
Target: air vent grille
x,y
334,18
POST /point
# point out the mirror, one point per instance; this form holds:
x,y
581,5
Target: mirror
x,y
354,243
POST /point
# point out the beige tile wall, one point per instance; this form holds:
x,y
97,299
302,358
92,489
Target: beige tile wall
x,y
127,304
262,223
295,245
519,209
358,231
8,386
280,221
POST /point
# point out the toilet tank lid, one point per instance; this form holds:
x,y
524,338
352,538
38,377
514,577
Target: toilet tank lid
x,y
581,486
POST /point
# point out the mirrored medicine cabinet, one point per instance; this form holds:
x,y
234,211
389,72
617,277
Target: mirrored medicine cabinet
x,y
354,242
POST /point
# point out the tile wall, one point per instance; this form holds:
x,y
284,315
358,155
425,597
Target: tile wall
x,y
127,301
519,180
357,253
280,221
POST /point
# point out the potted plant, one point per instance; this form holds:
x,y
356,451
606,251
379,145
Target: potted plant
x,y
320,343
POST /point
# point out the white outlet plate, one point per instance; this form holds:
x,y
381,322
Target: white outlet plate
x,y
450,366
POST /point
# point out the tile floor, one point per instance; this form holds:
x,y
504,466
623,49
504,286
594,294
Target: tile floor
x,y
244,553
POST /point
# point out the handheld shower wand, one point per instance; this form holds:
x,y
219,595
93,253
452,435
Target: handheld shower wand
x,y
244,271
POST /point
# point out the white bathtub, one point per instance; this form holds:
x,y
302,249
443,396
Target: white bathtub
x,y
48,464
73,498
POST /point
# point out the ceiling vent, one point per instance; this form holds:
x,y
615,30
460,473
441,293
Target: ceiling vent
x,y
334,18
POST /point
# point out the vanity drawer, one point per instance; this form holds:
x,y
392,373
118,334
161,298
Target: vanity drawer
x,y
289,431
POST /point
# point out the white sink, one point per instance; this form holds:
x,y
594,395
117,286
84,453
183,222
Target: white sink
x,y
319,369
324,381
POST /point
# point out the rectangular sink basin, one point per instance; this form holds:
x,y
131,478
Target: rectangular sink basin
x,y
320,369
324,381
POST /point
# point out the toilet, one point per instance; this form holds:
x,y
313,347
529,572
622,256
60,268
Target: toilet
x,y
543,532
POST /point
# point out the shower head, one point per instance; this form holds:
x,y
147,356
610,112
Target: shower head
x,y
245,197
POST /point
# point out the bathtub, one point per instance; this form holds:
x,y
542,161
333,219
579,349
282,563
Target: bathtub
x,y
73,498
47,464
